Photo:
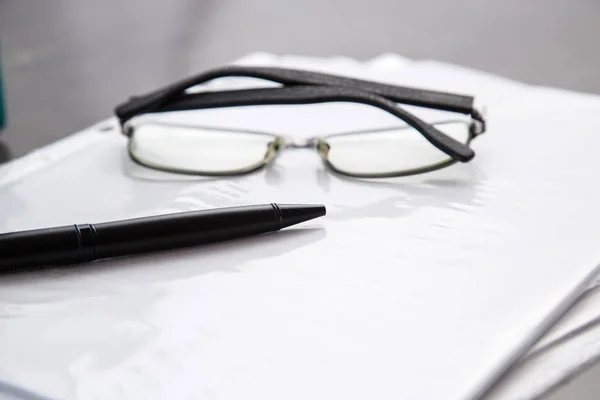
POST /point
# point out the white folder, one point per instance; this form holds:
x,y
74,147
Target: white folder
x,y
426,287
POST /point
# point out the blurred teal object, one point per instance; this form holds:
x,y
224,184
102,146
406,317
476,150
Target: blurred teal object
x,y
1,99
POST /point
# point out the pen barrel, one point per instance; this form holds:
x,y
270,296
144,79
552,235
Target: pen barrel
x,y
163,232
51,246
86,242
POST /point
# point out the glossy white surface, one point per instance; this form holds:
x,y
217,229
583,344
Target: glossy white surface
x,y
418,287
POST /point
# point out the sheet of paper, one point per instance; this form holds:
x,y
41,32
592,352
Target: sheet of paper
x,y
439,278
563,353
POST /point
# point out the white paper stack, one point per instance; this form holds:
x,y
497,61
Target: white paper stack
x,y
425,287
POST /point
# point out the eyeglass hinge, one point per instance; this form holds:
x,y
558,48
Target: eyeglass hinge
x,y
479,115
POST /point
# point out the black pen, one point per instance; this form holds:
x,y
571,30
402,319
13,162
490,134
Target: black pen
x,y
81,243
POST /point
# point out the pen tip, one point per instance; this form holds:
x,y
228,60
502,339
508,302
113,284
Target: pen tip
x,y
292,214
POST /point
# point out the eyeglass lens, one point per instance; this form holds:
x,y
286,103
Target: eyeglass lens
x,y
213,151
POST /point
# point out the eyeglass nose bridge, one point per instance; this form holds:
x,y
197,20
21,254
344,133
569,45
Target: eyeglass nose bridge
x,y
315,142
300,143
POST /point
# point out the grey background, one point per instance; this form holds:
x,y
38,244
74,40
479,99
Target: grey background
x,y
67,63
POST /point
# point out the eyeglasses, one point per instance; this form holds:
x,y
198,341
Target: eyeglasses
x,y
413,147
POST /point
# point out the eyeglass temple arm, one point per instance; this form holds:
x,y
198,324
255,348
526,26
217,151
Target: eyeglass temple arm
x,y
318,94
405,95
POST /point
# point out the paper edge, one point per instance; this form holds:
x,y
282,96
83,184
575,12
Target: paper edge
x,y
538,333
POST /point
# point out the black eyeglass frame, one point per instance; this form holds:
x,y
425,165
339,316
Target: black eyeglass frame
x,y
307,87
